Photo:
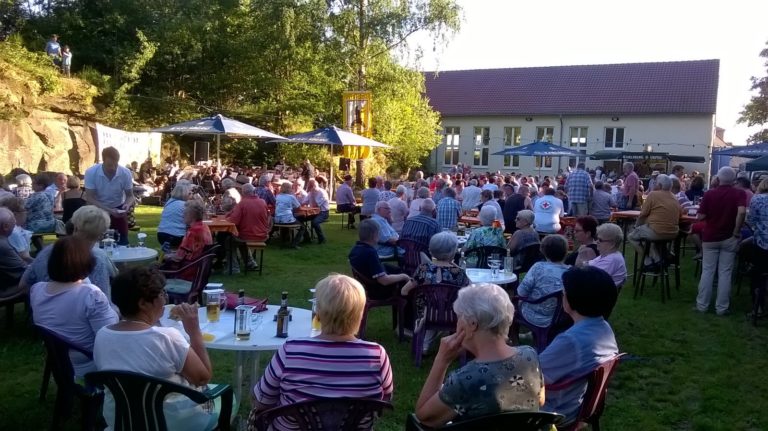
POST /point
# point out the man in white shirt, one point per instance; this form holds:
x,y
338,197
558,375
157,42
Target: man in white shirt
x,y
109,186
470,196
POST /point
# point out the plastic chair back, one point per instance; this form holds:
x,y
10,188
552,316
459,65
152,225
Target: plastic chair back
x,y
594,398
202,266
337,414
58,363
412,257
483,253
506,421
438,313
544,335
139,399
529,255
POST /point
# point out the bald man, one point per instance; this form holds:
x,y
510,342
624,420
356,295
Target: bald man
x,y
12,266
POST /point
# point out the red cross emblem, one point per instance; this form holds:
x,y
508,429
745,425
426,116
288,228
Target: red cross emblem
x,y
545,205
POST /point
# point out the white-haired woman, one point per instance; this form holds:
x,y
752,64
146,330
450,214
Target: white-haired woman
x,y
172,227
610,260
303,368
23,186
501,378
89,222
399,208
415,208
486,234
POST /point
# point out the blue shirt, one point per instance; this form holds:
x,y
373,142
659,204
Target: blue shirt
x,y
448,211
420,228
172,218
370,197
366,261
265,194
757,217
572,355
37,271
110,193
284,206
542,279
386,233
578,186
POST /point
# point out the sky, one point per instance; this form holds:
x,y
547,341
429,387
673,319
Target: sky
x,y
510,33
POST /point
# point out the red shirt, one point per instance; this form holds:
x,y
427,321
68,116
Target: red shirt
x,y
192,246
251,218
720,206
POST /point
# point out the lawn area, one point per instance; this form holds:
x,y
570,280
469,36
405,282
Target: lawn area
x,y
684,371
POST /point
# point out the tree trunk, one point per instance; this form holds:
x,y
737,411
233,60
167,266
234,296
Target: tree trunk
x,y
360,173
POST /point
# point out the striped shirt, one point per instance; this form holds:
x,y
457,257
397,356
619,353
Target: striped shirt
x,y
311,368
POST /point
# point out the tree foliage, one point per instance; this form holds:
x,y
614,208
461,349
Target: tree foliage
x,y
278,64
755,112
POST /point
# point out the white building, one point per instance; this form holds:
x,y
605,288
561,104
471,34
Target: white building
x,y
639,107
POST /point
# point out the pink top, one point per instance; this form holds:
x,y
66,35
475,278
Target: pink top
x,y
631,184
613,264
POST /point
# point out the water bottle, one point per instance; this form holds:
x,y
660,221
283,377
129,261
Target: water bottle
x,y
462,261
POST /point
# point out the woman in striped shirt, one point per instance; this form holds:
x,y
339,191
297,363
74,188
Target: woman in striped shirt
x,y
334,364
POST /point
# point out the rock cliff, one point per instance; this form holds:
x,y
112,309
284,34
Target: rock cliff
x,y
46,122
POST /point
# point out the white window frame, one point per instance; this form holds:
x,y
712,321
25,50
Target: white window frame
x,y
482,137
544,133
452,145
578,141
512,138
613,143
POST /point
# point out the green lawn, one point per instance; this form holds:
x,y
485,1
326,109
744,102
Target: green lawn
x,y
684,371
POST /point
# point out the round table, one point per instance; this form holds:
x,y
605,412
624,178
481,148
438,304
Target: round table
x,y
482,275
125,256
263,330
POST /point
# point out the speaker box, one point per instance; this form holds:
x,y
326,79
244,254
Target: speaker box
x,y
344,164
202,151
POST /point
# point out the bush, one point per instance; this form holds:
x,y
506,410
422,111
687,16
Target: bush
x,y
37,64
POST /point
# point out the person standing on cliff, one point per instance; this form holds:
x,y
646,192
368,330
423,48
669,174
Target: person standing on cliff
x,y
109,186
66,61
53,49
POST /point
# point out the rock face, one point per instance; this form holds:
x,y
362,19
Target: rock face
x,y
47,141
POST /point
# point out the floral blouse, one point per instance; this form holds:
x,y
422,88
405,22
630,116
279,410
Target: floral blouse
x,y
40,213
482,237
429,273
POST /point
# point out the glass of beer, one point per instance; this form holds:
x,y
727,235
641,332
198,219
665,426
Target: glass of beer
x,y
215,301
316,327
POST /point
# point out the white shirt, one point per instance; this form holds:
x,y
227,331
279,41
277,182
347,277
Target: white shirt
x,y
470,197
110,193
547,211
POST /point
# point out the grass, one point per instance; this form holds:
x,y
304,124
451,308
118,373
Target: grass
x,y
686,371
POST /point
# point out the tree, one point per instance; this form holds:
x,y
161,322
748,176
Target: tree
x,y
755,112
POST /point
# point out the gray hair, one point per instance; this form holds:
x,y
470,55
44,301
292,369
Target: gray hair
x,y
264,180
449,193
367,230
422,193
401,190
443,246
24,180
428,206
6,216
629,165
526,215
382,204
181,191
488,305
473,182
665,181
247,189
726,175
196,208
611,232
487,215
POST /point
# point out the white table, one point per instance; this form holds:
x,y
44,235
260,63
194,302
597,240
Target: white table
x,y
124,256
263,339
482,275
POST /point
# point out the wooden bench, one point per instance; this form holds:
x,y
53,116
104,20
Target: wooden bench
x,y
287,230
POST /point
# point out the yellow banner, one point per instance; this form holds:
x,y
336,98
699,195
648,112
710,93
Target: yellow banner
x,y
357,117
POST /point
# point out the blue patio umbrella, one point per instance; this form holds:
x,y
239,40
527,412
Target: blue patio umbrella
x,y
539,149
218,125
750,151
332,135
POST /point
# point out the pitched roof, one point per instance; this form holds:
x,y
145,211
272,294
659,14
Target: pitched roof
x,y
680,87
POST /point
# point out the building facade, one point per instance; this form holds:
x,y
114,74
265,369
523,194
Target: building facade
x,y
641,107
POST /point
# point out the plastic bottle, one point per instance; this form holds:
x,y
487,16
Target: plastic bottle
x,y
462,261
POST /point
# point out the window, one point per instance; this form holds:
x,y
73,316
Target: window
x,y
578,142
544,134
482,146
614,137
511,138
452,146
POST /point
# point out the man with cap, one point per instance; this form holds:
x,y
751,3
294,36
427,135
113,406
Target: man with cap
x,y
345,200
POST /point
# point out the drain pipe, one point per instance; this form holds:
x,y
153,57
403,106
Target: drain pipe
x,y
559,159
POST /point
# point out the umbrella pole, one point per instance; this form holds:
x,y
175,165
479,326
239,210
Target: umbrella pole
x,y
330,180
218,146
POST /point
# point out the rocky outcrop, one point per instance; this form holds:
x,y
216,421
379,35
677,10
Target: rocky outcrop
x,y
49,129
47,141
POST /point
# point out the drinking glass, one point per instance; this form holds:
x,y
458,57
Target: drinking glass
x,y
494,262
215,301
141,238
243,322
